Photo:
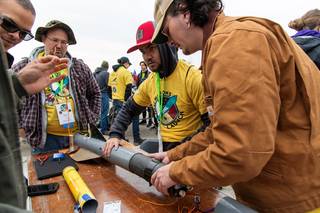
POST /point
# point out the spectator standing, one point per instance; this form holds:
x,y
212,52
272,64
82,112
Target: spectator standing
x,y
51,116
143,75
308,35
102,76
120,88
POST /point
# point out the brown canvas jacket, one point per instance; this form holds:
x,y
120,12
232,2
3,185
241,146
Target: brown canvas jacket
x,y
264,137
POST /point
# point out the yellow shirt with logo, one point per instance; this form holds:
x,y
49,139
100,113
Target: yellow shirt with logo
x,y
118,81
183,101
53,125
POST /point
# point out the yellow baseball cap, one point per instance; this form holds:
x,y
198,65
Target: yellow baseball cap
x,y
160,9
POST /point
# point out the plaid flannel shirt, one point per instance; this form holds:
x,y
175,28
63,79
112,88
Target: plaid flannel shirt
x,y
87,98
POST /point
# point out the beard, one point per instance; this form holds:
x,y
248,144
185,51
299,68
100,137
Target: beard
x,y
152,65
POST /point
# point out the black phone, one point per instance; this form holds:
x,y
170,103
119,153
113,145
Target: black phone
x,y
42,189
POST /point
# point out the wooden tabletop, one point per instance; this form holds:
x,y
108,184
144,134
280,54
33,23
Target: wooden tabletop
x,y
111,183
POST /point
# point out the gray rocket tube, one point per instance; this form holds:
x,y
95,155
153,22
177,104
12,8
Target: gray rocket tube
x,y
134,162
120,157
229,205
144,167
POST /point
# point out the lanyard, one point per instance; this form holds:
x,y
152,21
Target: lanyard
x,y
69,132
160,106
159,98
63,83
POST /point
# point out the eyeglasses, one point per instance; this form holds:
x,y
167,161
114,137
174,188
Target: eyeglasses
x,y
57,41
10,26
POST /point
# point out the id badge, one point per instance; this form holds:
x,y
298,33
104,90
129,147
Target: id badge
x,y
65,114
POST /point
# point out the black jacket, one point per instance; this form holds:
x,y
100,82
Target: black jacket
x,y
102,77
311,46
141,79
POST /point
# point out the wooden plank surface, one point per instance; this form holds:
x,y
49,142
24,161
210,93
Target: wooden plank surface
x,y
110,183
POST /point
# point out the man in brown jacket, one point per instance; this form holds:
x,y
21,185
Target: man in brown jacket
x,y
263,93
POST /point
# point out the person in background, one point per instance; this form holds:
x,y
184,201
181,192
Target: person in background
x,y
180,107
143,75
120,89
263,98
135,79
308,34
102,76
50,117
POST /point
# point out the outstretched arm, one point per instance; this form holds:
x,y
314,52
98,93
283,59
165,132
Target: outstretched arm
x,y
121,123
35,76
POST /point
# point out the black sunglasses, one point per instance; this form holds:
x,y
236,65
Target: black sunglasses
x,y
10,26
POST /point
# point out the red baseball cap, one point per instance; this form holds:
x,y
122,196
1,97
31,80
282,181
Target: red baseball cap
x,y
144,35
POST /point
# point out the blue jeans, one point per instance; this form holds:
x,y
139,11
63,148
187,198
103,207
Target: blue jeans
x,y
104,111
135,127
135,120
53,143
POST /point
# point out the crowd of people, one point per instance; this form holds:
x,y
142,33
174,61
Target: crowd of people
x,y
249,117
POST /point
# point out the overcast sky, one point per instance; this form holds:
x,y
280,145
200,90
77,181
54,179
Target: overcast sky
x,y
105,29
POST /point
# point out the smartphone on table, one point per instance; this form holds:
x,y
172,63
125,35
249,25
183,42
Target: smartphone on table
x,y
42,189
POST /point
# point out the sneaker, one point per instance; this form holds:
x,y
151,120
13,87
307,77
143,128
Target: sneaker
x,y
138,141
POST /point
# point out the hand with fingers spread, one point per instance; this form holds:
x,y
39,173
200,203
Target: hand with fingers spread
x,y
162,180
35,76
111,142
161,156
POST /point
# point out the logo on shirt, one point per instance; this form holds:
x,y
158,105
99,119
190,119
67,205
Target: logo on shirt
x,y
171,114
57,92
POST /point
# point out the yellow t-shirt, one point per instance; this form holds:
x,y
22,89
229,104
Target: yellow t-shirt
x,y
53,126
53,96
118,81
183,101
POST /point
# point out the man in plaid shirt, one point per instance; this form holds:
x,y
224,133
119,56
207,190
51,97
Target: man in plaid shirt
x,y
63,108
